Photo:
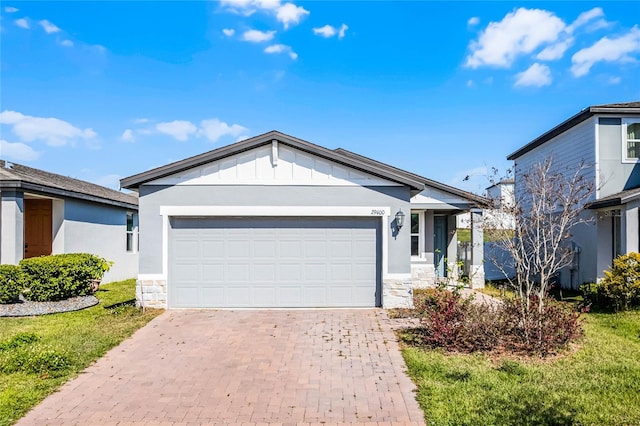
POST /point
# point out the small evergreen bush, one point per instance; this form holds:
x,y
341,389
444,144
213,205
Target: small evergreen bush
x,y
58,277
11,283
620,287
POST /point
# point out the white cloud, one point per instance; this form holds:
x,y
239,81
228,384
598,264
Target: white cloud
x,y
536,75
66,43
329,31
256,36
289,13
326,31
127,136
473,21
215,129
10,9
22,23
614,80
49,27
606,50
281,48
18,151
343,31
52,131
228,32
178,129
519,32
141,120
243,7
267,4
585,17
470,83
555,51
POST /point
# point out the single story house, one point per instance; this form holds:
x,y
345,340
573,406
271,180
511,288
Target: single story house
x,y
275,221
605,141
44,213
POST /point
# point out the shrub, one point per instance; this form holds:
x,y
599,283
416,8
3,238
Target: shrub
x,y
11,283
57,277
453,322
540,332
620,287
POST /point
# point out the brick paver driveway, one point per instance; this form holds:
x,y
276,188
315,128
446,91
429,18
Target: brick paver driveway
x,y
249,367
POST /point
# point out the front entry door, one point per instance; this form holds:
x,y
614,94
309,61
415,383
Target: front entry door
x,y
440,244
38,227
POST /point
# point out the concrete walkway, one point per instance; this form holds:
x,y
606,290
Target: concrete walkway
x,y
244,367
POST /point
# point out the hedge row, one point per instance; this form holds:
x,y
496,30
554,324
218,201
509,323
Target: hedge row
x,y
51,278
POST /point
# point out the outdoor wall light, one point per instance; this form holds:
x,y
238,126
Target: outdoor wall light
x,y
399,219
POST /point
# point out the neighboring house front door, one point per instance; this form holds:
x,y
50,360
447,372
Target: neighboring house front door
x,y
440,244
38,227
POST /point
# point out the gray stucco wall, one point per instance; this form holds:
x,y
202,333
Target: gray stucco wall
x,y
11,227
99,230
615,174
152,197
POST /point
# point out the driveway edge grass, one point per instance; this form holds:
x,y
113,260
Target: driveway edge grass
x,y
42,353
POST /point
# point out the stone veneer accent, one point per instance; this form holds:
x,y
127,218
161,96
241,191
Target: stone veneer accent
x,y
397,292
477,276
423,275
151,294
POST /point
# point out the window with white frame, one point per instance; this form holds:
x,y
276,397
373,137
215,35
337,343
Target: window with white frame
x,y
130,232
631,133
415,234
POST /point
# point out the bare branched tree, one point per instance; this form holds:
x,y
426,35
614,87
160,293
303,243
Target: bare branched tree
x,y
548,205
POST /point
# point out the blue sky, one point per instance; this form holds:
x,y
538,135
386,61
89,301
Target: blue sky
x,y
104,90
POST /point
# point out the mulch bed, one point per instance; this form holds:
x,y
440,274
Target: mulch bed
x,y
25,308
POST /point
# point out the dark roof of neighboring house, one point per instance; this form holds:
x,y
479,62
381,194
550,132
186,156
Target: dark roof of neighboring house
x,y
621,108
614,200
17,176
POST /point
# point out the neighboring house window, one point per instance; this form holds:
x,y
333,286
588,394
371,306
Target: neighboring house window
x,y
631,129
415,234
130,230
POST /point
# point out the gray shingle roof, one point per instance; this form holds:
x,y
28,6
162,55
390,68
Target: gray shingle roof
x,y
620,108
14,175
616,199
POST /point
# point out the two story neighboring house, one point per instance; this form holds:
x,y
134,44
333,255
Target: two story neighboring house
x,y
606,138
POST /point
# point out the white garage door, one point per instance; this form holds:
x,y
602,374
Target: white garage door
x,y
274,262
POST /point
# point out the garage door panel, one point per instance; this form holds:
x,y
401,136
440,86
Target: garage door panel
x,y
264,248
290,272
290,296
273,262
212,249
264,272
238,272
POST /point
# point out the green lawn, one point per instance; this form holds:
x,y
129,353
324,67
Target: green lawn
x,y
66,344
596,384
